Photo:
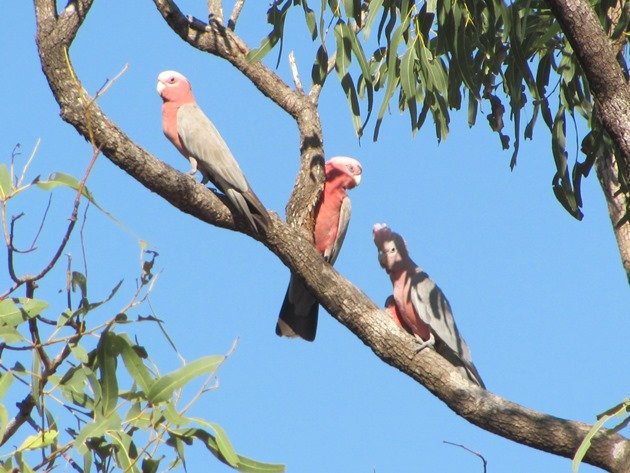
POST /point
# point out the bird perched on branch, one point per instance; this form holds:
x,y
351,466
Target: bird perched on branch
x,y
298,315
418,305
197,139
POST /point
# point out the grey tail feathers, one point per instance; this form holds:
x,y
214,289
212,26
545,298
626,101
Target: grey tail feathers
x,y
467,368
249,206
299,318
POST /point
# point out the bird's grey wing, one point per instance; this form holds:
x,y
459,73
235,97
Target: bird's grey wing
x,y
433,309
204,143
344,220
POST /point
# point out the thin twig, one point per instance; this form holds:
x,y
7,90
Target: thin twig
x,y
28,162
485,463
108,83
69,282
295,73
41,224
82,239
236,11
73,221
11,250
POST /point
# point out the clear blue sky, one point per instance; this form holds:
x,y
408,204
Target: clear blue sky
x,y
541,299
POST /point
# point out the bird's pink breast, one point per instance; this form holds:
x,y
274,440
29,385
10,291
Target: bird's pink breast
x,y
169,126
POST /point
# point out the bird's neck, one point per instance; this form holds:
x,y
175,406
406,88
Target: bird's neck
x,y
402,272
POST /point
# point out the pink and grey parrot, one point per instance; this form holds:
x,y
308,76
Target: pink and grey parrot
x,y
298,315
418,305
197,139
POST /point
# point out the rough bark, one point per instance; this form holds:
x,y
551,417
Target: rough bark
x,y
618,202
342,299
597,56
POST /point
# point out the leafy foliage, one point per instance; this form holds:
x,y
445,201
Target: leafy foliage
x,y
435,54
93,406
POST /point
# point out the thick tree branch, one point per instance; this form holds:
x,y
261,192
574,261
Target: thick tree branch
x,y
348,304
618,204
597,56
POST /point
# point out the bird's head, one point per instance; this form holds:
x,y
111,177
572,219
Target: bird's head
x,y
392,251
174,87
344,167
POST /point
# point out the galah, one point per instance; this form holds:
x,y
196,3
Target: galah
x,y
298,315
418,305
197,139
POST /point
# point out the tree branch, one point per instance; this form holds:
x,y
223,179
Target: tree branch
x,y
342,299
618,204
236,12
598,59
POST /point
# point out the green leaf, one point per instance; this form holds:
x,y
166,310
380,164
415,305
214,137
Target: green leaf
x,y
134,364
164,387
57,179
618,410
5,382
125,453
23,467
357,49
342,55
10,334
472,109
87,462
309,16
108,349
98,428
150,465
4,421
39,440
407,73
243,464
6,186
319,72
79,353
275,17
11,314
224,445
374,7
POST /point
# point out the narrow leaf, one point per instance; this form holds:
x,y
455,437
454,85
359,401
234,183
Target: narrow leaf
x,y
164,387
134,364
5,382
6,186
40,440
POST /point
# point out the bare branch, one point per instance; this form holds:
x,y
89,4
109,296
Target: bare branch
x,y
215,11
236,12
108,83
485,463
73,221
295,73
28,162
41,224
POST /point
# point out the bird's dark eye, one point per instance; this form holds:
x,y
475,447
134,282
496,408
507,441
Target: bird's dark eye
x,y
171,80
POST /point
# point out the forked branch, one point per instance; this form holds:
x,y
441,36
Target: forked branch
x,y
347,303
